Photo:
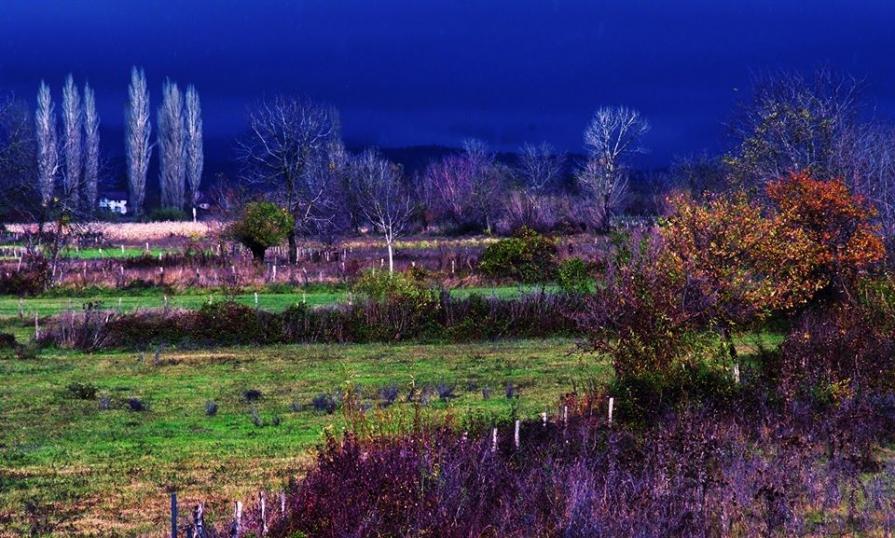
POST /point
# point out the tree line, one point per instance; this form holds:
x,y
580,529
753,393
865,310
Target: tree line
x,y
292,154
48,169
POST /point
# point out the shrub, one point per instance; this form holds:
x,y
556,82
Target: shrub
x,y
168,214
527,257
8,341
233,323
643,314
575,275
262,225
382,286
324,403
136,404
252,395
698,472
388,394
837,351
33,277
211,408
81,391
421,316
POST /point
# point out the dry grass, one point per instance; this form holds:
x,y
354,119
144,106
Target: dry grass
x,y
135,232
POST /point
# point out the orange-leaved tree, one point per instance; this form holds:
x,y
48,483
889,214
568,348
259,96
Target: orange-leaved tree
x,y
746,265
838,222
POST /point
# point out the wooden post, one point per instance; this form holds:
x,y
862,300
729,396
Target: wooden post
x,y
611,406
173,514
256,299
282,504
565,415
494,440
544,419
263,514
516,434
198,521
36,327
237,521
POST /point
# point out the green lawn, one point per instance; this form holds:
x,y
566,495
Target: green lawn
x,y
96,253
106,471
318,296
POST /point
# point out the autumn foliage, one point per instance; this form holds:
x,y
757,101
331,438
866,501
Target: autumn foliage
x,y
834,219
747,264
753,261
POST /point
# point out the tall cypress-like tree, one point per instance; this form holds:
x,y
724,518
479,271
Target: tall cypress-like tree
x,y
195,159
47,148
172,147
138,129
71,122
91,150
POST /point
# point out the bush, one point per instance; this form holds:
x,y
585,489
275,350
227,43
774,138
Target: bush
x,y
382,286
168,214
419,317
835,352
644,396
262,225
697,472
575,275
81,391
528,257
32,278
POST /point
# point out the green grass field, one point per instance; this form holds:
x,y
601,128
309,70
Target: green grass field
x,y
107,471
13,306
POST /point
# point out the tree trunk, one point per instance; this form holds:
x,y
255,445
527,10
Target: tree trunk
x,y
391,257
293,248
258,253
731,350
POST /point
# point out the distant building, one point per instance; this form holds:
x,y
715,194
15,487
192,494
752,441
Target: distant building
x,y
114,202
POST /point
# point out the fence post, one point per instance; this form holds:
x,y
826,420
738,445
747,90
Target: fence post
x,y
263,515
198,521
173,514
516,434
237,521
544,419
494,440
611,406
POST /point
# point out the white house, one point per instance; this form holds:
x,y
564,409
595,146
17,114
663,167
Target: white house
x,y
114,202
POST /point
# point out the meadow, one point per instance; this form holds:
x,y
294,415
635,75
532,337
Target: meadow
x,y
83,469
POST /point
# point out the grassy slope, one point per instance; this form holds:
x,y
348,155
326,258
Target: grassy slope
x,y
11,306
106,472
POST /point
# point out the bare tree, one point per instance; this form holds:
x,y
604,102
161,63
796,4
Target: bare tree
x,y
466,187
72,118
288,140
382,198
47,148
137,136
793,123
539,167
195,158
91,150
20,196
172,147
612,136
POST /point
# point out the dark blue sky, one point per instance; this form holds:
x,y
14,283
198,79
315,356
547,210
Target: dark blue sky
x,y
408,72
